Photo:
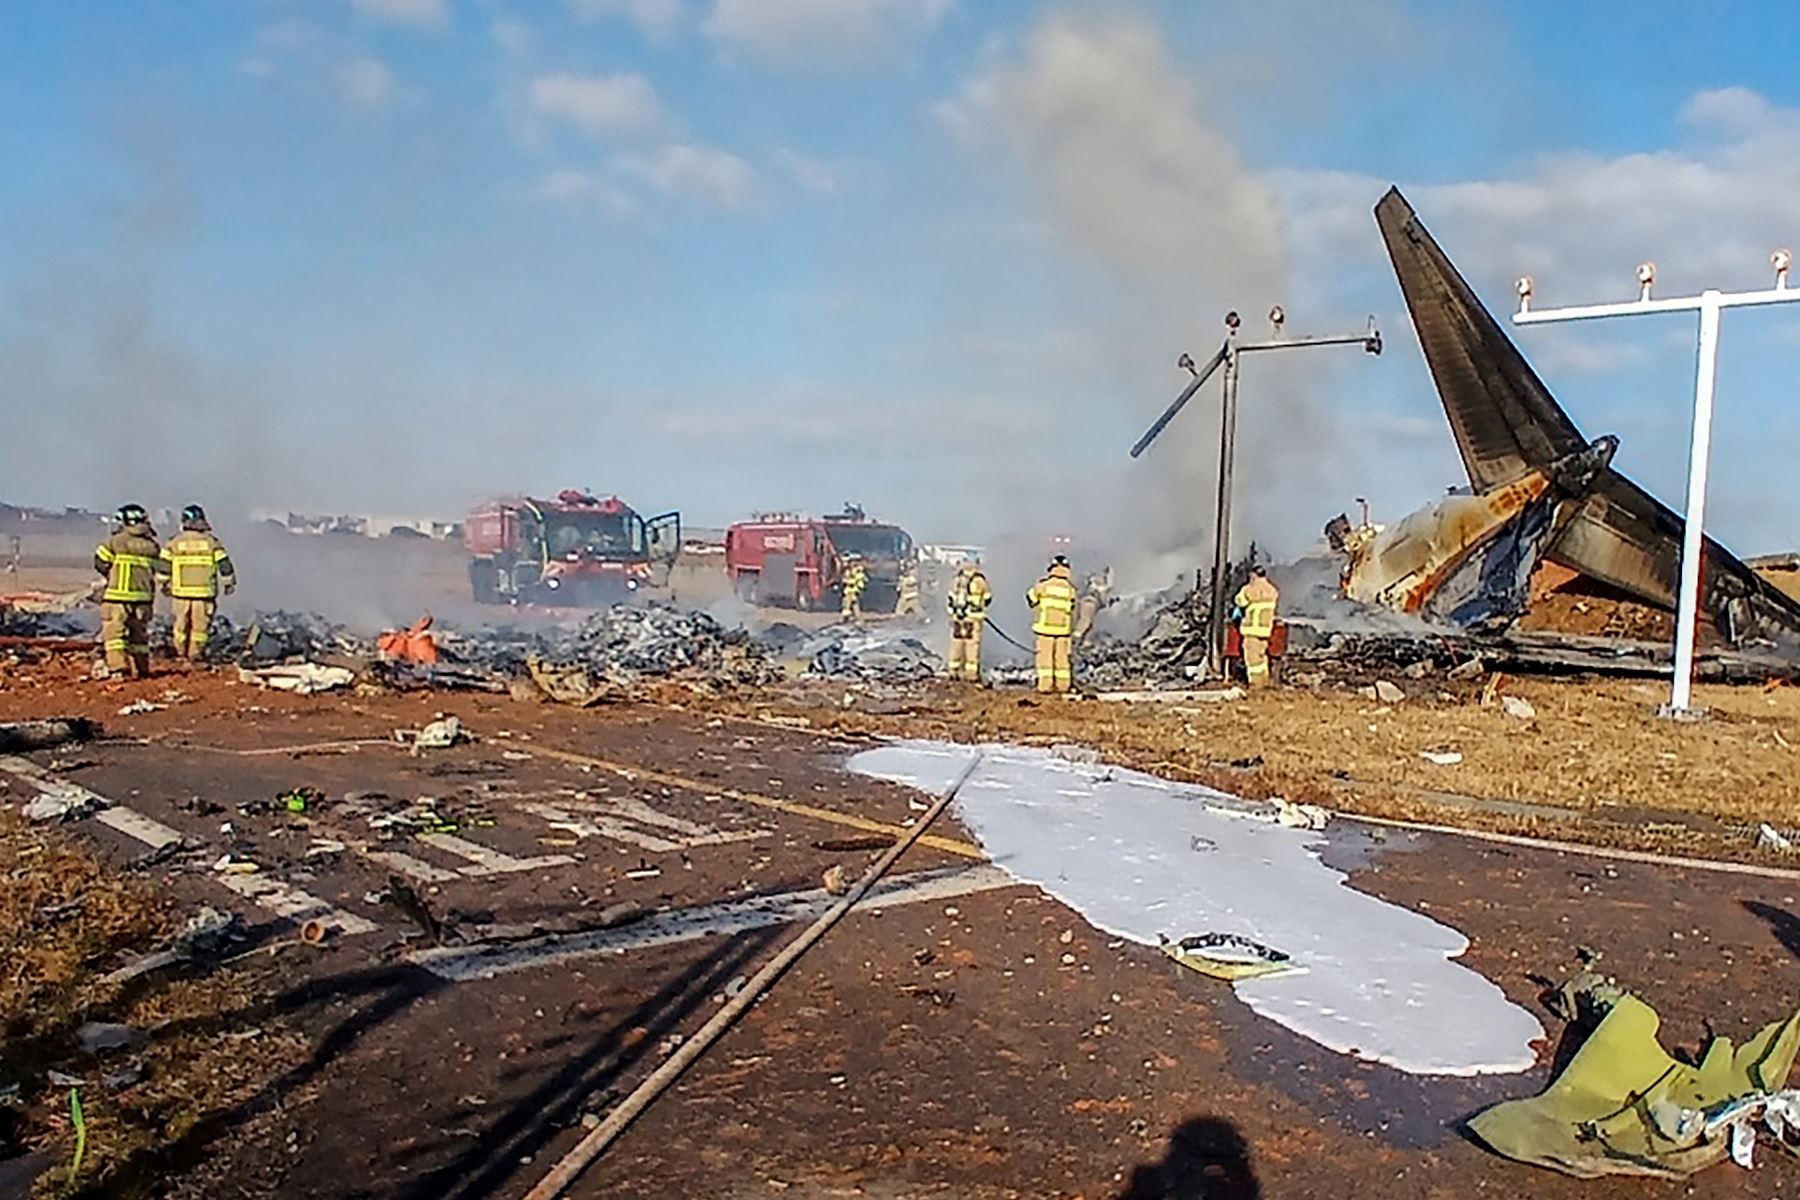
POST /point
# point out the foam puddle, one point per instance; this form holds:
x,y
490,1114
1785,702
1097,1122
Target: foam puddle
x,y
1131,853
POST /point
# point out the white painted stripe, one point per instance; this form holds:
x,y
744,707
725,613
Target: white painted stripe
x,y
131,823
599,826
722,837
406,864
16,765
690,924
286,900
282,899
636,810
51,785
610,821
490,862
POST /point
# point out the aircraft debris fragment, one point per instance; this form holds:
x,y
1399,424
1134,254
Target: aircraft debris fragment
x,y
1538,489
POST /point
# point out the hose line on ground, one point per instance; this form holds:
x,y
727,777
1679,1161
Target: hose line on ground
x,y
1007,638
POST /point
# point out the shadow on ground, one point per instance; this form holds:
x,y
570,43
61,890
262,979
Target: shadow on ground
x,y
1207,1159
380,993
1782,923
579,1079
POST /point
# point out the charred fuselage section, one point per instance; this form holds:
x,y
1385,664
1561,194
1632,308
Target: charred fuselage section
x,y
1538,488
1468,559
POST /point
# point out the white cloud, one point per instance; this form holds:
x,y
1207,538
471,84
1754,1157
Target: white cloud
x,y
1708,211
321,65
419,14
586,188
1563,352
821,34
607,106
813,175
655,19
367,82
514,38
716,178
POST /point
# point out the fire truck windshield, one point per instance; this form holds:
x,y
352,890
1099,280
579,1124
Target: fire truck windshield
x,y
596,535
870,541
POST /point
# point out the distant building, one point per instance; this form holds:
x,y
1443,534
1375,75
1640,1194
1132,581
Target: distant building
x,y
363,525
948,555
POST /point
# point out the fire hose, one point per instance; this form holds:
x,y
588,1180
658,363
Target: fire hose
x,y
572,1164
1006,637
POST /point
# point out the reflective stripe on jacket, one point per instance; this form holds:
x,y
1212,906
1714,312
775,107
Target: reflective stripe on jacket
x,y
1052,598
969,596
128,560
1257,598
195,561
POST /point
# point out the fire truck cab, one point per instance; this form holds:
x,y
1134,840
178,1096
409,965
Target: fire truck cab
x,y
784,560
577,550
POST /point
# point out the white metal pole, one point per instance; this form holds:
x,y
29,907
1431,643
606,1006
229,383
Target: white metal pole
x,y
1693,538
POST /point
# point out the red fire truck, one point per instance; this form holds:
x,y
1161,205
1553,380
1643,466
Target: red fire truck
x,y
577,550
790,561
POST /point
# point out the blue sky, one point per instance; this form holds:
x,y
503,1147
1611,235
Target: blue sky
x,y
934,255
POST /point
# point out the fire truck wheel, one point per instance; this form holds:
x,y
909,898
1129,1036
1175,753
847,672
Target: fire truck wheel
x,y
484,582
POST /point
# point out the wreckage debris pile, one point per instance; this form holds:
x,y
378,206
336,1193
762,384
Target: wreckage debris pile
x,y
871,656
19,622
1172,649
279,636
617,646
625,644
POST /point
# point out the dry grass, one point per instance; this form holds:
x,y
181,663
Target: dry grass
x,y
65,919
1596,764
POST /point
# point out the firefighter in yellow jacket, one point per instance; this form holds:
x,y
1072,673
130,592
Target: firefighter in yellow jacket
x,y
856,578
906,599
128,561
1256,600
194,564
969,596
1052,601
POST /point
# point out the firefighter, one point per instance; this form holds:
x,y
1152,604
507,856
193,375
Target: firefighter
x,y
1256,602
1095,595
856,578
906,602
1052,601
129,563
194,565
969,596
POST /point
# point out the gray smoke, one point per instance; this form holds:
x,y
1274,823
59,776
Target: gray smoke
x,y
1132,173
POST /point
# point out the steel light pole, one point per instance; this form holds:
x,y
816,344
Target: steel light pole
x,y
1227,357
1709,304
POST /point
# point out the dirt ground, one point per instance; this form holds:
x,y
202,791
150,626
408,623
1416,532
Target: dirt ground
x,y
1595,764
965,1037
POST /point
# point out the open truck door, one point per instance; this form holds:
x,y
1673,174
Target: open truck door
x,y
662,543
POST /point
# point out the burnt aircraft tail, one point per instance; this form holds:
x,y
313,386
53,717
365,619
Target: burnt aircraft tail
x,y
1507,425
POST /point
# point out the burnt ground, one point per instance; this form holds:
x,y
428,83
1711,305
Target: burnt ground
x,y
940,1047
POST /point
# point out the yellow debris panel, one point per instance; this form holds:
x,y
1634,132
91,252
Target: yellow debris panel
x,y
1614,1109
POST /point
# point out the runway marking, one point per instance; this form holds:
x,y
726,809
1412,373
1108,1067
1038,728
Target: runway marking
x,y
286,900
490,862
463,963
669,779
405,864
282,899
134,824
619,819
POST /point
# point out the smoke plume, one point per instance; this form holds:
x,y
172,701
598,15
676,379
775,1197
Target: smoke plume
x,y
1131,172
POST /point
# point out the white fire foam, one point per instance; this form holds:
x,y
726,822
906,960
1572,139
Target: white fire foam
x,y
1140,856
